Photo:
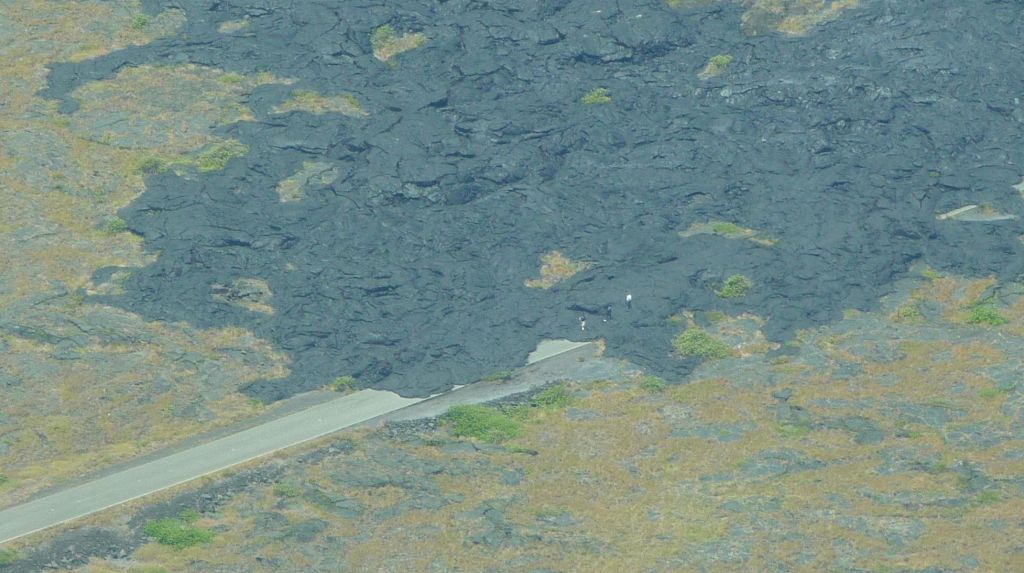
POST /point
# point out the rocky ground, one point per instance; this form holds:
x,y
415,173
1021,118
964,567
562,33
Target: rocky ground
x,y
890,441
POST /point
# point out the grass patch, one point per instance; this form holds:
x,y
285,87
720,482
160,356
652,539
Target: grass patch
x,y
985,314
216,157
597,96
8,556
178,532
736,286
140,22
652,384
482,423
556,267
696,342
387,43
793,430
716,66
553,398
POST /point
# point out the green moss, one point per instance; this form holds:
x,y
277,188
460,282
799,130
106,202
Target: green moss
x,y
178,532
698,343
985,314
482,423
216,157
597,96
735,286
8,556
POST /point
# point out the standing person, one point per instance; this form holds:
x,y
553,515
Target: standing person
x,y
608,313
583,323
629,301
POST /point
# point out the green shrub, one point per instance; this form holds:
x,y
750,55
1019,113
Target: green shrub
x,y
597,96
721,60
152,165
178,532
482,423
985,314
555,397
8,556
4,479
115,225
735,286
343,384
696,342
216,157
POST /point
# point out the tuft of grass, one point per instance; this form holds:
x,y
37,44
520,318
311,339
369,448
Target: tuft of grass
x,y
501,375
716,65
793,430
555,268
178,532
652,384
726,228
986,314
216,157
696,342
597,96
343,384
8,556
482,423
909,313
736,286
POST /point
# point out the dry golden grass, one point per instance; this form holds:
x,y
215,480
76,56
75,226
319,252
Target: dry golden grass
x,y
555,268
312,102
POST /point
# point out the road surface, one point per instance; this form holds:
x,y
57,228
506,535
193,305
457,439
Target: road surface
x,y
365,406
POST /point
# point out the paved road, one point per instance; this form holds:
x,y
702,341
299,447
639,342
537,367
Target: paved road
x,y
365,406
187,465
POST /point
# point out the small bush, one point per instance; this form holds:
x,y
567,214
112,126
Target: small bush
x,y
696,342
4,479
715,66
985,314
482,423
343,384
152,165
597,96
735,286
8,556
178,532
555,397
